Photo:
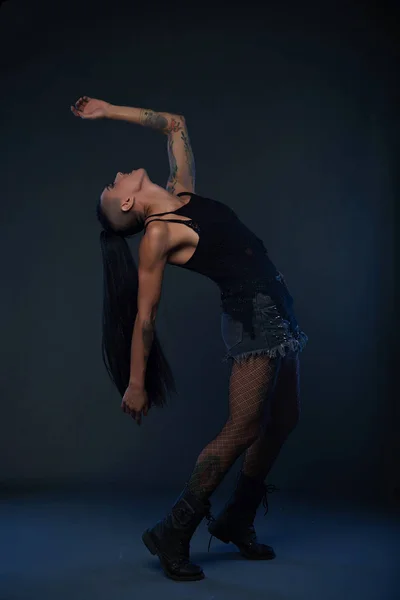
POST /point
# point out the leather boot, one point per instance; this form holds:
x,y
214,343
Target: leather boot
x,y
170,538
235,522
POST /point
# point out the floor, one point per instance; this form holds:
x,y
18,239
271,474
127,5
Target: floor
x,y
75,545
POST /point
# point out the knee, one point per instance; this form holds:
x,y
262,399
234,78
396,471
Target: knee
x,y
249,435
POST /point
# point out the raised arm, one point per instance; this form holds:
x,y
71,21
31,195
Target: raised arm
x,y
181,160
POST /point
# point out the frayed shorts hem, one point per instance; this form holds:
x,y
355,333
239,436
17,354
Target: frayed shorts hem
x,y
289,346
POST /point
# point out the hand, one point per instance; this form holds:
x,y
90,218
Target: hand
x,y
134,402
90,108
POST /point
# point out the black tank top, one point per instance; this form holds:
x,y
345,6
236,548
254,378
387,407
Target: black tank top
x,y
231,255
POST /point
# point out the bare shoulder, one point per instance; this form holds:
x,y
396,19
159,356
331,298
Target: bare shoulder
x,y
155,244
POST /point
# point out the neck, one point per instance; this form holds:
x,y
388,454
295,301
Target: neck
x,y
158,200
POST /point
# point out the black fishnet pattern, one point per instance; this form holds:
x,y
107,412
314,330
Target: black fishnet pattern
x,y
282,418
248,387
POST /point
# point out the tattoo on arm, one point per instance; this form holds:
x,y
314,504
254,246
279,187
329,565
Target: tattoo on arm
x,y
173,167
148,336
189,157
183,168
150,118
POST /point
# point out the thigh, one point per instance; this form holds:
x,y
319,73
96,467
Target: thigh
x,y
284,407
250,384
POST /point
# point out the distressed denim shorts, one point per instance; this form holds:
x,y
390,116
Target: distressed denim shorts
x,y
276,332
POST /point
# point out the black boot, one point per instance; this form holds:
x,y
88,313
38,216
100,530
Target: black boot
x,y
170,538
235,523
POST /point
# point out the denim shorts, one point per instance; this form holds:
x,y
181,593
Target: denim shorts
x,y
276,332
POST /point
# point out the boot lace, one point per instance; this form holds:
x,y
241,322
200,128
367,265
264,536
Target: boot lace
x,y
210,519
268,490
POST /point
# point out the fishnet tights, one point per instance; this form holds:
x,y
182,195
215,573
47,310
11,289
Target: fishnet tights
x,y
248,387
264,402
281,419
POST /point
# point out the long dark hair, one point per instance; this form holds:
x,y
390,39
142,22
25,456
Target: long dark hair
x,y
119,313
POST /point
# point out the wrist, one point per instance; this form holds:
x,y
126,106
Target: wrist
x,y
137,386
124,113
110,111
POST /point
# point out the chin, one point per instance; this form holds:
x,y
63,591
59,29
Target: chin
x,y
143,178
136,178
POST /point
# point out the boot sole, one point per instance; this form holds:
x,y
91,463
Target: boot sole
x,y
245,554
226,540
151,546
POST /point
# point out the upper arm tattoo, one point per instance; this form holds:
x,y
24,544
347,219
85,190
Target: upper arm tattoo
x,y
181,159
172,166
180,154
189,157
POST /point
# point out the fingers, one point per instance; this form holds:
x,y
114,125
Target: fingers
x,y
136,415
79,106
76,113
81,103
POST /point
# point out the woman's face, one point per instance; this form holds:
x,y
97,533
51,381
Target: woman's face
x,y
120,197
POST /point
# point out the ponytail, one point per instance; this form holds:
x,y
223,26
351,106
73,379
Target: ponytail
x,y
119,313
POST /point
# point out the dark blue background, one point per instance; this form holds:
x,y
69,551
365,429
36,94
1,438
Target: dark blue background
x,y
292,119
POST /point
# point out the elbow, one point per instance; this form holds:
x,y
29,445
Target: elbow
x,y
179,118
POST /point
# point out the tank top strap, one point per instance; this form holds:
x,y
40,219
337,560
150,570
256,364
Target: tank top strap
x,y
189,222
171,212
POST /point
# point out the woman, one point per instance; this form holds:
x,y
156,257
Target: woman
x,y
258,326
